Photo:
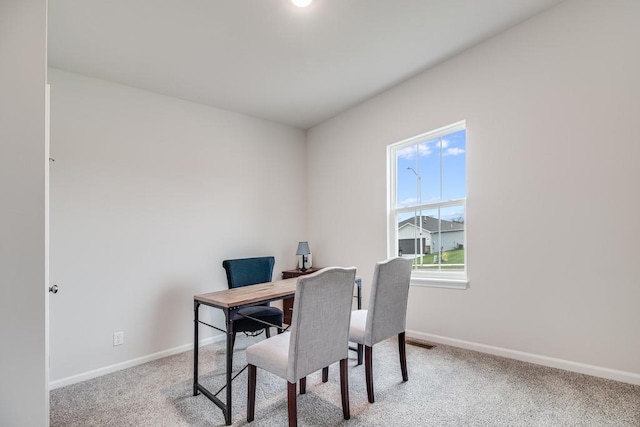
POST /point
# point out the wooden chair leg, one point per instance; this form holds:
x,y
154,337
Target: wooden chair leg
x,y
325,374
360,352
368,370
292,404
402,347
303,385
344,388
251,393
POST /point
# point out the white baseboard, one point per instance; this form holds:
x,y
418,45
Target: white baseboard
x,y
567,365
129,363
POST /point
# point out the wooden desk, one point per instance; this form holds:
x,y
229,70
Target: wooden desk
x,y
230,301
248,295
288,274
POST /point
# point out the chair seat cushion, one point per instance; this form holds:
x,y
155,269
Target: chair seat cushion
x,y
268,314
271,354
357,326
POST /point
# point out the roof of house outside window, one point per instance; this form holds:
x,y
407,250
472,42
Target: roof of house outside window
x,y
430,224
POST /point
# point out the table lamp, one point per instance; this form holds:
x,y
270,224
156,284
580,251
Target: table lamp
x,y
303,249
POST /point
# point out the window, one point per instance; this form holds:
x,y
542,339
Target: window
x,y
427,200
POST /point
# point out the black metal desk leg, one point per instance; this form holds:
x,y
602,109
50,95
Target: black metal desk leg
x,y
196,306
227,412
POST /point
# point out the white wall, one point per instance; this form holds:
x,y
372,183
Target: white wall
x,y
553,146
148,195
449,241
24,396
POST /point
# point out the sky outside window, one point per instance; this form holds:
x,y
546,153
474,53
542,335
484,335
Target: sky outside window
x,y
437,166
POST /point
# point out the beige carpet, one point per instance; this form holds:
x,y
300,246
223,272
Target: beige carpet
x,y
447,387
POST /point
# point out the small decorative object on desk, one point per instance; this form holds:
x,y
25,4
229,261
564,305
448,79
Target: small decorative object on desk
x,y
304,259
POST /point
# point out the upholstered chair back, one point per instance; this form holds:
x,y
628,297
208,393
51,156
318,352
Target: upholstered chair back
x,y
387,311
248,271
320,321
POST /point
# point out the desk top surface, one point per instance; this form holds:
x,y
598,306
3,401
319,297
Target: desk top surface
x,y
228,298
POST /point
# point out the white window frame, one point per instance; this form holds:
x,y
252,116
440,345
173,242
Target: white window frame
x,y
441,278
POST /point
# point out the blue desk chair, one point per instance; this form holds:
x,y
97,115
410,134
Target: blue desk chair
x,y
246,272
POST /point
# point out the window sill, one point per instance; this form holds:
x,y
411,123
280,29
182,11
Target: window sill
x,y
438,282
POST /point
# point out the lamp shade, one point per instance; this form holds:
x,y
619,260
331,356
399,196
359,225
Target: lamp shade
x,y
303,248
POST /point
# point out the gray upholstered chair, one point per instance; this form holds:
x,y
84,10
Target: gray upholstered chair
x,y
319,337
386,315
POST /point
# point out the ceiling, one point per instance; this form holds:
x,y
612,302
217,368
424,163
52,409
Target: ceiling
x,y
268,58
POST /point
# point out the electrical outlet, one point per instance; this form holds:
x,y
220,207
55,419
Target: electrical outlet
x,y
118,338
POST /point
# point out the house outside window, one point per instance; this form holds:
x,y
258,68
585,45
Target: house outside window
x,y
427,205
